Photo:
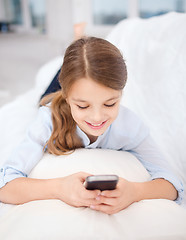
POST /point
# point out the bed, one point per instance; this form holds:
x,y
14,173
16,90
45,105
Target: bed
x,y
155,53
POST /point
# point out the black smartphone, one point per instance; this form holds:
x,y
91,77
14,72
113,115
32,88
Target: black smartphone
x,y
101,182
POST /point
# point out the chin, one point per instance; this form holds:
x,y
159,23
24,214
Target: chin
x,y
98,133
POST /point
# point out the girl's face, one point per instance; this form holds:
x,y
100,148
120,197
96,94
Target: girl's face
x,y
93,106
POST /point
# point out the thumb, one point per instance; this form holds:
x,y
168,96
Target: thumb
x,y
84,175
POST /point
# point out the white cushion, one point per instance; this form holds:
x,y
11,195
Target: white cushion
x,y
53,219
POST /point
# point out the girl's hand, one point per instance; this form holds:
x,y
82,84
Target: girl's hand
x,y
113,201
72,191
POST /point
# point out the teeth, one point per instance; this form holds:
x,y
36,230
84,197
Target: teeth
x,y
96,125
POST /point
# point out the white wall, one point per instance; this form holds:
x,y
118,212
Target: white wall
x,y
59,20
63,14
27,25
82,12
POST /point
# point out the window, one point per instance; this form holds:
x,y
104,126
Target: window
x,y
13,11
109,12
38,13
150,8
24,14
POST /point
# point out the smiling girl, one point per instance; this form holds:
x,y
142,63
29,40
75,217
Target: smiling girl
x,y
86,113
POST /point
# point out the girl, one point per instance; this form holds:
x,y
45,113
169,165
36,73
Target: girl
x,y
86,113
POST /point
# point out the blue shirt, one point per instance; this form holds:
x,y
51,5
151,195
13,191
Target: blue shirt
x,y
126,133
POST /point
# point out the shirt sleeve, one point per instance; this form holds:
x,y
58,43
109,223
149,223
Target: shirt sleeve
x,y
28,153
158,167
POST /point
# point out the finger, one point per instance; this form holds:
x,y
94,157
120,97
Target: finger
x,y
111,193
92,194
85,198
103,208
90,199
107,201
90,202
89,194
83,175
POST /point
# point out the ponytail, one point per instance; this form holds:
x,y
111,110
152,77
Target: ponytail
x,y
64,138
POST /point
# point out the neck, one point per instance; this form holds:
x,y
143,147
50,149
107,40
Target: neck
x,y
92,138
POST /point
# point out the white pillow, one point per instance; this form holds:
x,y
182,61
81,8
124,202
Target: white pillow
x,y
94,161
53,219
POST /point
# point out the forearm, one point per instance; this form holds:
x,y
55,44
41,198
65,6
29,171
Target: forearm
x,y
155,189
22,190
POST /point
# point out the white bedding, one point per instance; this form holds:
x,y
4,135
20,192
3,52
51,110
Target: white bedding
x,y
155,52
53,219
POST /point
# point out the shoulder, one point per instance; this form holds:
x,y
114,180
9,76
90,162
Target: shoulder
x,y
45,113
129,128
127,118
41,127
43,117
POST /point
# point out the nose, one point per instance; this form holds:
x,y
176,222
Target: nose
x,y
97,116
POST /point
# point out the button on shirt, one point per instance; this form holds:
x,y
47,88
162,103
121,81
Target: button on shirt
x,y
126,133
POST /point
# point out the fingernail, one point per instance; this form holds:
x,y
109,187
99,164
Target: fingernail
x,y
98,198
102,194
92,206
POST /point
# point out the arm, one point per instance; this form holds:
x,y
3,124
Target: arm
x,y
158,167
29,152
16,188
130,134
162,185
126,193
22,190
68,189
134,136
155,189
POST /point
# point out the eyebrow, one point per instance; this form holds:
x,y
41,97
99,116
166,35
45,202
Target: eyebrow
x,y
78,100
83,101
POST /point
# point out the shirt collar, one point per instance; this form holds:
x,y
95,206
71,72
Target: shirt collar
x,y
83,136
86,140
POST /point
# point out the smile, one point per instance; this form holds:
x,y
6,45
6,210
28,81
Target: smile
x,y
96,126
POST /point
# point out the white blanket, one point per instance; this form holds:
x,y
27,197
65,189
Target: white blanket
x,y
155,52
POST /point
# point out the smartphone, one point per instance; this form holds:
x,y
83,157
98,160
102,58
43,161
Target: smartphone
x,y
101,182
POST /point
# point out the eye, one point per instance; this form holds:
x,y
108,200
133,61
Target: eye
x,y
82,107
109,105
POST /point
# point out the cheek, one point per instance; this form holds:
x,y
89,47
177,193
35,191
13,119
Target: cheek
x,y
114,113
77,114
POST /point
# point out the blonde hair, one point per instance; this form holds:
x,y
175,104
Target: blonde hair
x,y
90,57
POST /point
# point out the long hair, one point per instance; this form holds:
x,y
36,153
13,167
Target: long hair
x,y
92,58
